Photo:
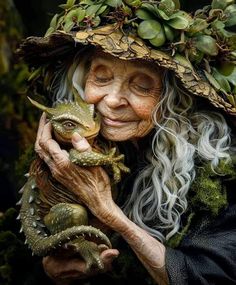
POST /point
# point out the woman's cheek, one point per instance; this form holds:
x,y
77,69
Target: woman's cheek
x,y
91,93
144,110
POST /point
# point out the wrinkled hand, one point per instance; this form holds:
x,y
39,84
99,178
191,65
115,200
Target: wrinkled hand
x,y
65,270
90,184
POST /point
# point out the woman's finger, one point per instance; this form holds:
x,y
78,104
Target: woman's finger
x,y
109,255
42,123
80,143
52,150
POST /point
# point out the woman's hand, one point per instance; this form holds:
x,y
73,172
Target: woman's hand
x,y
65,270
91,184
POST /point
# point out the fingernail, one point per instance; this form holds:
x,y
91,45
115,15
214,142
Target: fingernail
x,y
76,137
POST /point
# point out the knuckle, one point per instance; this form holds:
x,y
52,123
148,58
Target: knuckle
x,y
37,148
63,163
42,143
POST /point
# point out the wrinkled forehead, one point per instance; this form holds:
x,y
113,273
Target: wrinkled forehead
x,y
101,56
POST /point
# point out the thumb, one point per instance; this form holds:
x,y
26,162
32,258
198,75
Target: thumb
x,y
80,143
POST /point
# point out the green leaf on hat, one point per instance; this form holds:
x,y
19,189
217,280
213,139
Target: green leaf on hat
x,y
75,16
69,4
230,12
206,44
144,14
159,39
87,2
101,10
167,6
169,32
177,4
68,26
149,7
197,26
149,29
221,79
96,21
182,60
114,3
92,10
221,4
49,31
231,99
53,22
133,3
180,20
162,14
212,80
228,70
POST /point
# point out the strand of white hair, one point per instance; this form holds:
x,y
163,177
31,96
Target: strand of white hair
x,y
159,195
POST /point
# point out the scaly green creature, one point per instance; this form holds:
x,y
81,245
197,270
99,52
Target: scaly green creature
x,y
68,117
55,207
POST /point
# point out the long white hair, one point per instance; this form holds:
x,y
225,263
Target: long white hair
x,y
158,198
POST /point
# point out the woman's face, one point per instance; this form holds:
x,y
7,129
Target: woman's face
x,y
125,93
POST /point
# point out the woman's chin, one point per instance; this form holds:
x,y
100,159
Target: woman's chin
x,y
116,136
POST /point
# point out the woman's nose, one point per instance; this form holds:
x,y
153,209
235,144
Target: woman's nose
x,y
116,96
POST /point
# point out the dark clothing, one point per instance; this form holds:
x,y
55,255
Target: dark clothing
x,y
207,255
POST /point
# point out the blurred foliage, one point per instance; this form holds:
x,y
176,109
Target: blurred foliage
x,y
18,120
17,266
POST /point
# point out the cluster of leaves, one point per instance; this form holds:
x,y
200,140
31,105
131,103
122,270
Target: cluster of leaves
x,y
216,44
205,38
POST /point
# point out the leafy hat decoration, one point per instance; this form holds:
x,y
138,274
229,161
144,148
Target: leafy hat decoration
x,y
199,48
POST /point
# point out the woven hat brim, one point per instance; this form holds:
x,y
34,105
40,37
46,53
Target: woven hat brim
x,y
39,50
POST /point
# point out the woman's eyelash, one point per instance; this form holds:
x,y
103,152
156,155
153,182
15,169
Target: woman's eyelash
x,y
102,79
141,88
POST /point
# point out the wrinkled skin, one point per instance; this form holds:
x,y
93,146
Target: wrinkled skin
x,y
125,93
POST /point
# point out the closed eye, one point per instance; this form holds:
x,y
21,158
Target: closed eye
x,y
103,79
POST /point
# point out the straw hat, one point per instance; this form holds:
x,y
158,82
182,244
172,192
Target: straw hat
x,y
199,49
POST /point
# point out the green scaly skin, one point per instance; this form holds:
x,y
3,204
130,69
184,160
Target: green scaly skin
x,y
42,243
66,118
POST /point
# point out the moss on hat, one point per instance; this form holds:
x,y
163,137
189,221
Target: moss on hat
x,y
199,48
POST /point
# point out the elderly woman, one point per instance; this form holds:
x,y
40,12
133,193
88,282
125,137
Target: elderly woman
x,y
173,218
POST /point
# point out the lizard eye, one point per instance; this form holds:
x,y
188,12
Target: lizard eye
x,y
69,125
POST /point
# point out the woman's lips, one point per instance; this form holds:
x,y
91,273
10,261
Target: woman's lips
x,y
114,123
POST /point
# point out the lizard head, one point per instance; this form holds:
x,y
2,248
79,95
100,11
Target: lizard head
x,y
73,116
